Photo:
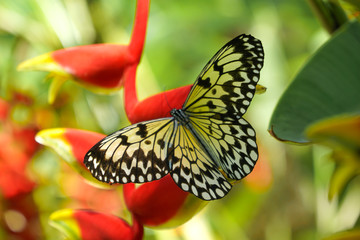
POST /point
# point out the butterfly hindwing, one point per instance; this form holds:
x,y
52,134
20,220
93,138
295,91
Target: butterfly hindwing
x,y
193,170
136,153
231,143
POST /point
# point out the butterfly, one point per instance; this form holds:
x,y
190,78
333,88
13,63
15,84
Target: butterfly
x,y
206,137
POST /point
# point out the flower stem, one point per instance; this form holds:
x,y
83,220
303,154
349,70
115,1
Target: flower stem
x,y
136,46
139,30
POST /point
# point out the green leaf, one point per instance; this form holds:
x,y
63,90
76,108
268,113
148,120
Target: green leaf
x,y
328,85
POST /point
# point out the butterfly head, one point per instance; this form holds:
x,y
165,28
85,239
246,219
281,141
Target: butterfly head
x,y
180,116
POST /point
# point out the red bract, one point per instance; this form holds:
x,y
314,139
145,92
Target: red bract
x,y
81,141
151,208
100,226
4,109
13,163
72,145
102,67
19,216
90,225
156,106
17,147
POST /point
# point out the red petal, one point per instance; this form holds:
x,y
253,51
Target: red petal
x,y
156,106
4,109
155,202
100,65
13,162
72,145
81,141
100,226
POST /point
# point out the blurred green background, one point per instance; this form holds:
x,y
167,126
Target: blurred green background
x,y
181,37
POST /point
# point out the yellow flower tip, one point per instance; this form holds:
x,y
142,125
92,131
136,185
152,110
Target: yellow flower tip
x,y
44,62
61,215
54,138
64,221
43,136
47,63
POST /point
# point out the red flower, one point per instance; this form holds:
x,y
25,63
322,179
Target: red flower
x,y
153,107
17,147
90,225
19,215
101,67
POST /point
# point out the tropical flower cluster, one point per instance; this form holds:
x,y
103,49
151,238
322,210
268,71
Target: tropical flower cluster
x,y
106,68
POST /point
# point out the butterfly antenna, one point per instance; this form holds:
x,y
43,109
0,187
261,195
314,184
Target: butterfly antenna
x,y
167,102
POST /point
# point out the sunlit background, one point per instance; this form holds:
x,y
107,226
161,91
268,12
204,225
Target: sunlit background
x,y
290,202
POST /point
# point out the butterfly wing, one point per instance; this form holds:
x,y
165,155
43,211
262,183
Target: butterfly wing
x,y
192,169
137,153
232,143
149,150
220,96
227,83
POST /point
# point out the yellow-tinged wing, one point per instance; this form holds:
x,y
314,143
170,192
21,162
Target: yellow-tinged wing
x,y
192,169
137,153
219,98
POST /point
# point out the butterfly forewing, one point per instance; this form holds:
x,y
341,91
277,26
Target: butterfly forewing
x,y
134,154
228,82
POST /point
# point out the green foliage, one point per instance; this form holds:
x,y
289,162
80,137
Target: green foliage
x,y
326,86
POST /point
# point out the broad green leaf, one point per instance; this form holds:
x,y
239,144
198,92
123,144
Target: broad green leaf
x,y
328,85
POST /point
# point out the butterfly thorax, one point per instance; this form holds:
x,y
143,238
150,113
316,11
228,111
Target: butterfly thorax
x,y
180,116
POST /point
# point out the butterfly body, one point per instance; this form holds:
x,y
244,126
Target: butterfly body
x,y
206,135
180,116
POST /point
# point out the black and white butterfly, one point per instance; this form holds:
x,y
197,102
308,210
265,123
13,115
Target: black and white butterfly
x,y
207,135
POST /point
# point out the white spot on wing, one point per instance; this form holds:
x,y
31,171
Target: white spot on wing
x,y
185,187
251,142
246,168
194,190
253,155
205,196
220,192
